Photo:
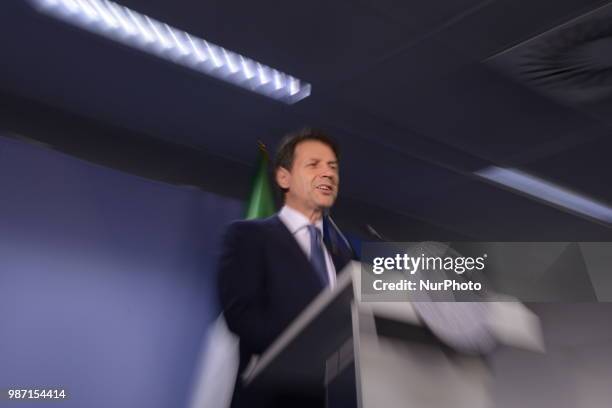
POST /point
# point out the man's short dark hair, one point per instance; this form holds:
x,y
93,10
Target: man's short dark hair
x,y
286,150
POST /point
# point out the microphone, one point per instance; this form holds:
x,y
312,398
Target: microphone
x,y
373,232
335,237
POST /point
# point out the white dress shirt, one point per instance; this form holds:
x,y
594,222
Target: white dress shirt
x,y
297,223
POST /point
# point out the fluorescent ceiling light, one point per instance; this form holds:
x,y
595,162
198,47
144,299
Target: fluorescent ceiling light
x,y
547,191
139,31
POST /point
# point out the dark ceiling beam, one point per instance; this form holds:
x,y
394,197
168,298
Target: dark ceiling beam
x,y
182,165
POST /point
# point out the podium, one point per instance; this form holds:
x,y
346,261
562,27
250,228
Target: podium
x,y
377,354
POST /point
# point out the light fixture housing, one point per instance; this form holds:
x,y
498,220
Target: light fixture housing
x,y
136,30
549,192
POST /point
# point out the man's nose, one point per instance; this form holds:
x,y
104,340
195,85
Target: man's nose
x,y
330,174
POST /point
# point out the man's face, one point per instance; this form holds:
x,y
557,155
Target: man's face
x,y
313,180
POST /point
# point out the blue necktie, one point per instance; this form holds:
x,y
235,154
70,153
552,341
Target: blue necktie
x,y
317,256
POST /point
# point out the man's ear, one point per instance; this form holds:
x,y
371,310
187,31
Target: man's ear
x,y
283,178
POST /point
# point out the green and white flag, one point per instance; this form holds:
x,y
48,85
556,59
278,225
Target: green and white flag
x,y
261,201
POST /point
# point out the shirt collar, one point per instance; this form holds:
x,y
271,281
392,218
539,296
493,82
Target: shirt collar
x,y
295,220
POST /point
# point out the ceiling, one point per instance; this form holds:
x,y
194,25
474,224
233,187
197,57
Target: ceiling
x,y
417,93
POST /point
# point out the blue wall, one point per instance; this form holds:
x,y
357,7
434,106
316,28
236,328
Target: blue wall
x,y
106,279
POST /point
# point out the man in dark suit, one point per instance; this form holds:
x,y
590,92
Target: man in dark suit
x,y
271,269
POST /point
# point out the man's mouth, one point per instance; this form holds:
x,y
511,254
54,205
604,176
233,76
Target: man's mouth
x,y
325,188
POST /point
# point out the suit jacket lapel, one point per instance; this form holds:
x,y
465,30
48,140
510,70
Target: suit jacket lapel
x,y
338,258
288,242
336,246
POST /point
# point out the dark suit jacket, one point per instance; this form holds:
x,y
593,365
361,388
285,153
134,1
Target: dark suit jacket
x,y
265,281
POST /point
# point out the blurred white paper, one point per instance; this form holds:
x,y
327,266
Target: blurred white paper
x,y
514,325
